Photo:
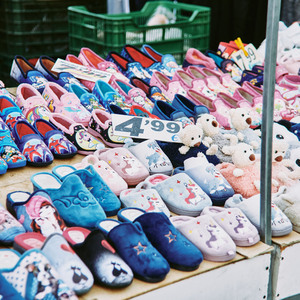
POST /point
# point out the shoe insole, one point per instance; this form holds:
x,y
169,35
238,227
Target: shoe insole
x,y
47,181
131,214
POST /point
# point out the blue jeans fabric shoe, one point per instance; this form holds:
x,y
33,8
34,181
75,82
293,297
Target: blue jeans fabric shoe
x,y
95,184
128,68
10,155
134,247
10,111
31,144
133,54
24,72
87,99
108,95
44,65
167,60
54,139
190,109
74,202
180,253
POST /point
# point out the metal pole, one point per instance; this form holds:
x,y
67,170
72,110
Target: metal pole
x,y
267,118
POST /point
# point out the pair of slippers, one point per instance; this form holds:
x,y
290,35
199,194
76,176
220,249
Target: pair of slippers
x,y
150,244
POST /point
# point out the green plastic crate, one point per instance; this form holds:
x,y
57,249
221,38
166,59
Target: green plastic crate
x,y
104,33
35,27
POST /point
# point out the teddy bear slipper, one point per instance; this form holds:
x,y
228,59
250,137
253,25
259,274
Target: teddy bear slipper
x,y
115,182
151,156
107,267
146,199
204,232
133,246
35,211
124,163
280,224
175,248
10,227
94,183
67,263
74,202
31,270
235,223
181,194
209,179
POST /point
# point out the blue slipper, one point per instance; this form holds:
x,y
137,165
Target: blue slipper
x,y
35,211
108,268
180,253
95,184
7,291
32,275
209,179
10,227
190,109
74,202
134,247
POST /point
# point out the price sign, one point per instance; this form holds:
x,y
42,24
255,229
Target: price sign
x,y
146,128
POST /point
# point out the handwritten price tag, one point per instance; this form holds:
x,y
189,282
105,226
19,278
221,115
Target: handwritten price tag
x,y
146,128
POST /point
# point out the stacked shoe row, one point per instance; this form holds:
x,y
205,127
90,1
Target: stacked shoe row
x,y
176,203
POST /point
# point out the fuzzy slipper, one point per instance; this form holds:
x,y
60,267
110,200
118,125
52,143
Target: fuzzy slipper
x,y
107,266
134,247
175,248
69,266
32,275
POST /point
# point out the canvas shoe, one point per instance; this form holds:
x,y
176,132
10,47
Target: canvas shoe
x,y
133,54
10,155
31,102
127,68
59,100
74,59
31,144
77,134
108,95
87,99
101,126
45,64
24,72
136,110
90,59
131,94
55,140
254,78
167,60
154,93
168,87
10,111
195,57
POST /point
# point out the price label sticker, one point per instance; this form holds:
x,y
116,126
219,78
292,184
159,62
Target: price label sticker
x,y
237,57
146,128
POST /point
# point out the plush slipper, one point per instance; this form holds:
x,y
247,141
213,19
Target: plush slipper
x,y
7,291
32,275
209,179
35,212
175,248
95,184
107,266
235,223
134,247
9,227
151,156
280,224
74,202
115,182
182,195
203,231
124,163
146,199
69,266
28,240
